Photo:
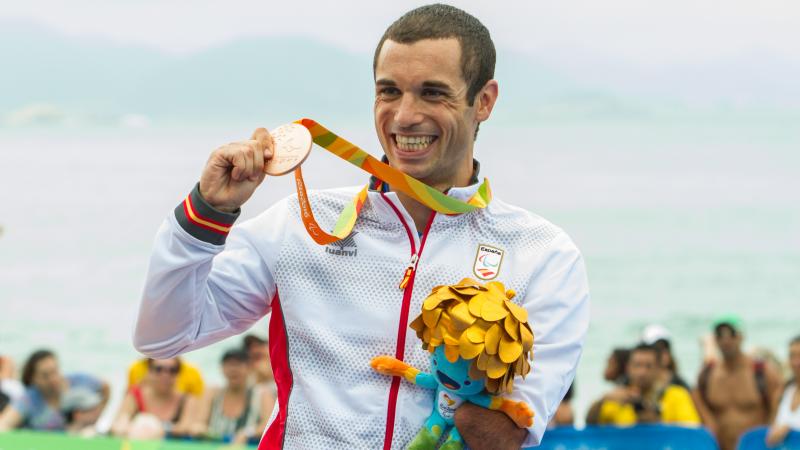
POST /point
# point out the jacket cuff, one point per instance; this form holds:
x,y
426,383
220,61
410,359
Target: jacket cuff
x,y
203,221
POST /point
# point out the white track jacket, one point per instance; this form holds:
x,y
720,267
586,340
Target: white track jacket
x,y
335,307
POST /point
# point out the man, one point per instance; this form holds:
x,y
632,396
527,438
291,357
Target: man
x,y
643,399
258,354
661,339
331,313
737,393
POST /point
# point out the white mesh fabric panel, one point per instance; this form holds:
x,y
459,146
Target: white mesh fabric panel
x,y
342,310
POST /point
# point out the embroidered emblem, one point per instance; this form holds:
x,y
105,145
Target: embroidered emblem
x,y
488,260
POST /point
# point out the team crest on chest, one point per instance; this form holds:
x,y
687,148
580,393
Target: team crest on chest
x,y
488,261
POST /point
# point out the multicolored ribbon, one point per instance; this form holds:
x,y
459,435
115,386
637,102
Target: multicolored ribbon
x,y
399,181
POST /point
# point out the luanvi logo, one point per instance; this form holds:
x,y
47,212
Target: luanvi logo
x,y
344,247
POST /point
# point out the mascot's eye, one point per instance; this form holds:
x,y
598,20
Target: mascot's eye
x,y
466,383
435,363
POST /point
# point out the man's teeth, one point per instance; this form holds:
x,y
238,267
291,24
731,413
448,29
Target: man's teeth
x,y
413,142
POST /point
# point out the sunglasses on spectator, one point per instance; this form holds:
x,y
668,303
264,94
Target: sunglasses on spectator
x,y
172,370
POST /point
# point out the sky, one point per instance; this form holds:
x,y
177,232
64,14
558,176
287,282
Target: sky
x,y
650,33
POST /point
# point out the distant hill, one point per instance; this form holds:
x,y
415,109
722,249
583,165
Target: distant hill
x,y
239,79
48,77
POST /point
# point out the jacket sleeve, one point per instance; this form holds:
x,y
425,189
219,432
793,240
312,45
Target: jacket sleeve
x,y
203,285
557,301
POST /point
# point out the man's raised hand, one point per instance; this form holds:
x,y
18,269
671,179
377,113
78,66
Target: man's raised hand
x,y
235,170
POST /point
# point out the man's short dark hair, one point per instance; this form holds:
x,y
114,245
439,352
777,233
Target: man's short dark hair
x,y
795,340
237,354
250,340
725,326
440,21
644,348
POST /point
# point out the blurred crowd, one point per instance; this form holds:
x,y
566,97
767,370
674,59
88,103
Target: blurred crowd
x,y
733,392
164,398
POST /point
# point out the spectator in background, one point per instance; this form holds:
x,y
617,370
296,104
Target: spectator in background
x,y
738,393
189,381
82,407
154,408
564,416
659,337
41,408
11,390
7,368
615,366
642,400
788,416
258,352
614,372
237,412
770,358
4,398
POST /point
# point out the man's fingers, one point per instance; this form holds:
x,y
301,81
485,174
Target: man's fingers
x,y
265,140
239,166
248,161
257,155
255,159
261,135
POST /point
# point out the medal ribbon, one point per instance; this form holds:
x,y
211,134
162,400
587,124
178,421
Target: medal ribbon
x,y
399,181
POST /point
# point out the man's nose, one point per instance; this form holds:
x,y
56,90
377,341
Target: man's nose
x,y
408,113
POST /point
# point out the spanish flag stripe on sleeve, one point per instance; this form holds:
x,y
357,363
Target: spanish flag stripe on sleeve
x,y
195,217
202,221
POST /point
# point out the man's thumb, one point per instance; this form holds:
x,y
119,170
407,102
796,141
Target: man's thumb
x,y
263,137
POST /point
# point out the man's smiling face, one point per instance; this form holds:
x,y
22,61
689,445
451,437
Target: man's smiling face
x,y
422,115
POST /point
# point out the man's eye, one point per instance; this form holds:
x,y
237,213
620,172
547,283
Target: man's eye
x,y
388,91
432,93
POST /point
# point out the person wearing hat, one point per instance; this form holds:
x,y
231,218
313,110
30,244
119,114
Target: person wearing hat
x,y
660,338
739,392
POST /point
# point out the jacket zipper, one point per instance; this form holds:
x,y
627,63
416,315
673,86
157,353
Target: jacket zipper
x,y
407,285
412,266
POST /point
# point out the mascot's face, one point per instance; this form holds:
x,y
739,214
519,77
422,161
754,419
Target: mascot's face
x,y
454,377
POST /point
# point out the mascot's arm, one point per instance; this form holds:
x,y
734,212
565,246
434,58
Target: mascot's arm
x,y
389,365
519,412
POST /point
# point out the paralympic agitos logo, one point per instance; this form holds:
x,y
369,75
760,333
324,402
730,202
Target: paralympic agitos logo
x,y
487,263
344,247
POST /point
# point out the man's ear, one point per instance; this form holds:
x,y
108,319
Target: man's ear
x,y
485,100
